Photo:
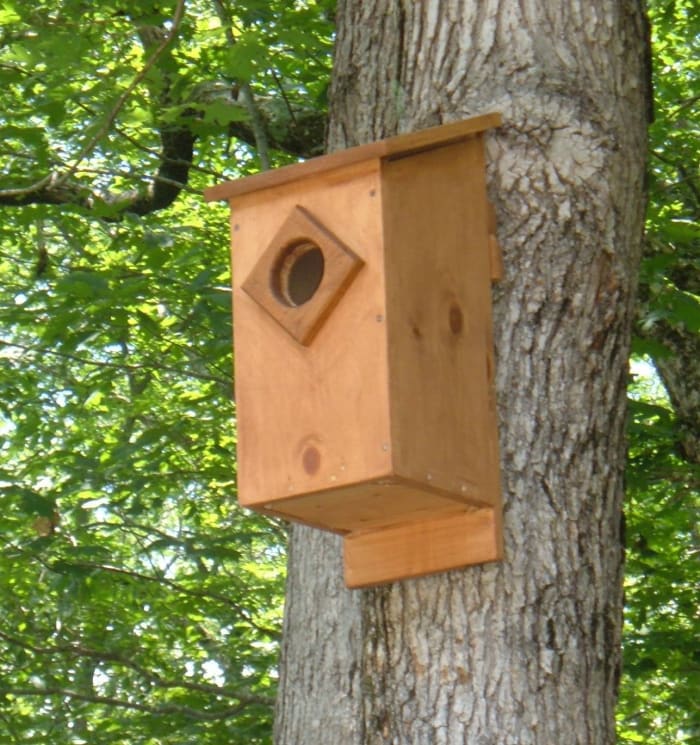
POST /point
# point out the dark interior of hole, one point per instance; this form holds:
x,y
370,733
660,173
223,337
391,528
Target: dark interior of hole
x,y
304,276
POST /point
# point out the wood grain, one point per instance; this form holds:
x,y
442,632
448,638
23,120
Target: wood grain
x,y
340,265
419,548
438,283
312,417
400,145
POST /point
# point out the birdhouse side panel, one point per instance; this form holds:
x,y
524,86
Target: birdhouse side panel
x,y
312,416
436,223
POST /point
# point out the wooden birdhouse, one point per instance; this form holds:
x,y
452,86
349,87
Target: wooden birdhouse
x,y
363,350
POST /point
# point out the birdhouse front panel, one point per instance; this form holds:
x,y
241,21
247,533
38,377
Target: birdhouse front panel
x,y
311,416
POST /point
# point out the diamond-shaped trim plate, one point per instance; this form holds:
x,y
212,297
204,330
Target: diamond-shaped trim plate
x,y
340,266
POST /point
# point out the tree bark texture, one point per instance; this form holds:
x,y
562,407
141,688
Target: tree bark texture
x,y
680,373
525,651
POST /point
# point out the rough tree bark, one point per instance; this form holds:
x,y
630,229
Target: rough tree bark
x,y
526,651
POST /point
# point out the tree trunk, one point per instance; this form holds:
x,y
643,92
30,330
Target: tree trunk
x,y
525,651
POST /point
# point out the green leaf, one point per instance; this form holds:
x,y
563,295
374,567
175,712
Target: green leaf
x,y
685,308
248,55
82,284
9,14
650,347
222,113
681,230
33,502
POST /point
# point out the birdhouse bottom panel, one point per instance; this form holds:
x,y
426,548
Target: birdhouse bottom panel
x,y
369,505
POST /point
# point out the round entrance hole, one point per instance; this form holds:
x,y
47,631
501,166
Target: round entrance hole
x,y
298,273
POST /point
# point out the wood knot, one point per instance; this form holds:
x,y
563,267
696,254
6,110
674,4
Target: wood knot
x,y
456,319
311,460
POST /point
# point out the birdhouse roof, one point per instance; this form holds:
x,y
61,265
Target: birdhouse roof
x,y
392,147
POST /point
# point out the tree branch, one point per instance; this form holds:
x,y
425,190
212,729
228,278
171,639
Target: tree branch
x,y
301,136
115,365
77,650
257,125
298,131
51,189
150,62
177,149
161,580
203,594
164,709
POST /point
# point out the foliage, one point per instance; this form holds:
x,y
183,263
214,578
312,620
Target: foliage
x,y
669,309
661,658
662,586
121,579
139,604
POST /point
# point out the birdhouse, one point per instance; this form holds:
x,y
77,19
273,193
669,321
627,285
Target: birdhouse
x,y
363,350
